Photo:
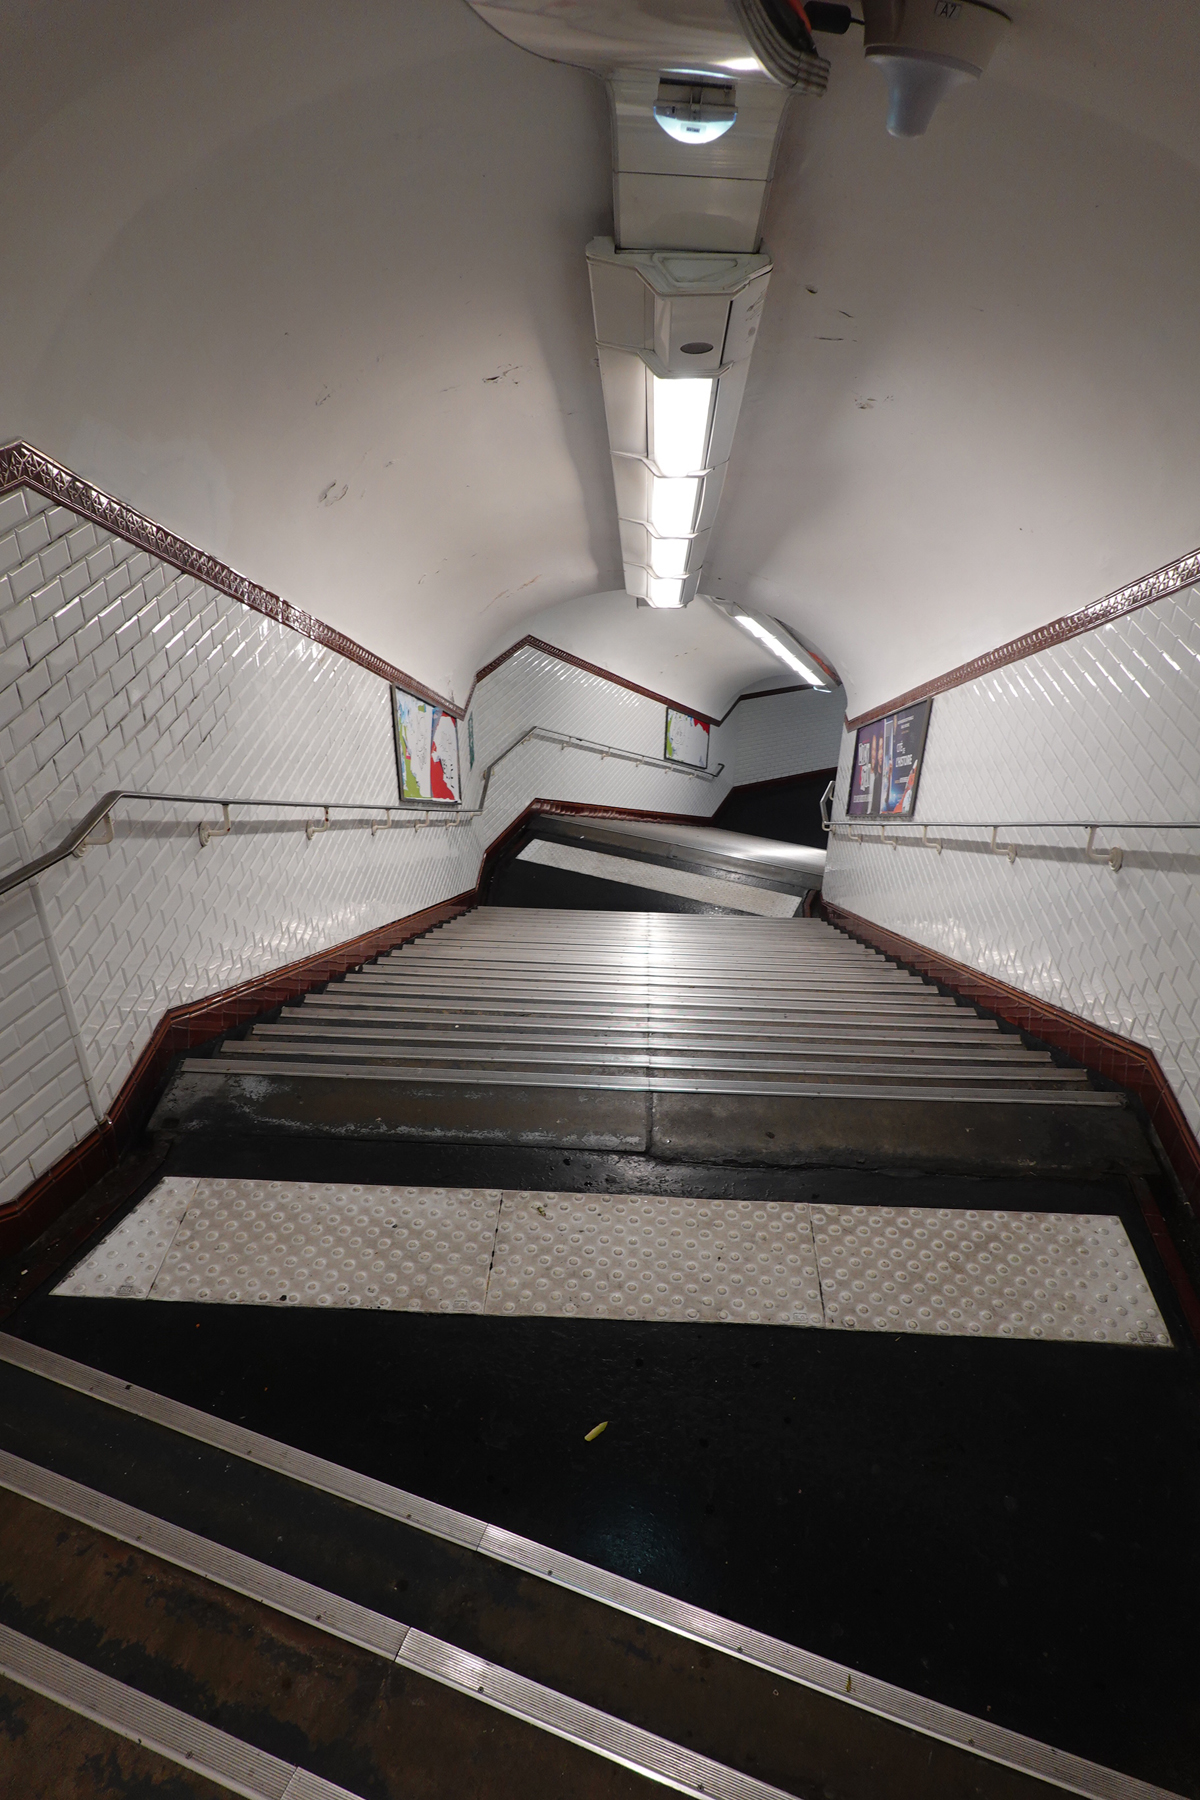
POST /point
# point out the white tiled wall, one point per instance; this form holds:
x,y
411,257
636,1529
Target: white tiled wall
x,y
1101,728
117,671
781,732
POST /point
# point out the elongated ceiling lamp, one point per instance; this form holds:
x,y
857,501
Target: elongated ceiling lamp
x,y
674,330
780,641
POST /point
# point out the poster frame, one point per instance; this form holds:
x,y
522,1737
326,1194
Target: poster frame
x,y
439,712
681,712
884,731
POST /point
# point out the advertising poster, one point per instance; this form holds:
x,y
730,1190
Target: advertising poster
x,y
687,739
426,750
887,764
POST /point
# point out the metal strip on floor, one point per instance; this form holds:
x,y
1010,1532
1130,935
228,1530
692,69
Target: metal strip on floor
x,y
177,1736
929,1717
201,1556
414,1076
640,1751
643,1752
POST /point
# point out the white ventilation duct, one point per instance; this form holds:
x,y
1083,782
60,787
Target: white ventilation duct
x,y
697,90
692,191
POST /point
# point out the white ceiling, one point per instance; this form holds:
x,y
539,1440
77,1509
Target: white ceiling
x,y
305,282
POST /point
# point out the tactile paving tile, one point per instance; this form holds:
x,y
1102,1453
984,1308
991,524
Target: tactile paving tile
x,y
124,1263
296,1243
624,1256
985,1274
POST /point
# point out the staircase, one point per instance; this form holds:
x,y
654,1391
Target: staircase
x,y
661,1002
673,1034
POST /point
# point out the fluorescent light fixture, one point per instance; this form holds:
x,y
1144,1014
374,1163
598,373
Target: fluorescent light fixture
x,y
679,414
771,637
670,418
694,131
664,591
669,556
673,505
695,109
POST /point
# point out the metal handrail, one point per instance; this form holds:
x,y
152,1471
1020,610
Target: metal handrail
x,y
862,831
79,838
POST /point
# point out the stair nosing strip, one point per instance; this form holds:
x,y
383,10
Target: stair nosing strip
x,y
930,1718
604,1734
164,1729
207,1557
423,1077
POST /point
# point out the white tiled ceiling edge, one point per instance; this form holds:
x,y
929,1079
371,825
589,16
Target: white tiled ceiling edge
x,y
118,671
1100,727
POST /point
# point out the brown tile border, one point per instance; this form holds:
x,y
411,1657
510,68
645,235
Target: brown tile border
x,y
572,661
1168,580
1120,1059
183,1028
23,466
1131,1065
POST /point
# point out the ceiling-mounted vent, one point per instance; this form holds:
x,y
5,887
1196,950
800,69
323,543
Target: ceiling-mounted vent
x,y
775,34
748,40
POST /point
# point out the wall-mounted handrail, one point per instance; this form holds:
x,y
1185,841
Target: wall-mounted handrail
x,y
540,734
862,831
79,839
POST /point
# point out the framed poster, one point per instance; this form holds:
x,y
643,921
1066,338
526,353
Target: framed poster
x,y
686,739
887,764
426,751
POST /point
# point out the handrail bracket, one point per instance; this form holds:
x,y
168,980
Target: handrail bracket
x,y
91,842
206,832
1113,857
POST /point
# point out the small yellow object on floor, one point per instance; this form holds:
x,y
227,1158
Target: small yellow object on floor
x,y
595,1431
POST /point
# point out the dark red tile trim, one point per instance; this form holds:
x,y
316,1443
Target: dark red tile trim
x,y
1120,1059
184,1028
797,687
1164,581
23,466
589,668
577,662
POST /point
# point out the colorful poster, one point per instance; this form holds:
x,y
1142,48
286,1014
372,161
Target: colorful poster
x,y
426,749
887,764
687,739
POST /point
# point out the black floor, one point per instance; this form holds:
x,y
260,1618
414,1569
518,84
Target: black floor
x,y
1007,1527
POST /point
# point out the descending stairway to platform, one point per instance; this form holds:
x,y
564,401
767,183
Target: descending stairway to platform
x,y
681,1035
652,1001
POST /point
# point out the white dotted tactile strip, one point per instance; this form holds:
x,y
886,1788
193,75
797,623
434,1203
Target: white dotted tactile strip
x,y
625,1256
124,1264
332,1244
985,1274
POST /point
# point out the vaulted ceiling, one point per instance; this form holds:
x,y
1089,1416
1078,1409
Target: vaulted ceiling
x,y
304,281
